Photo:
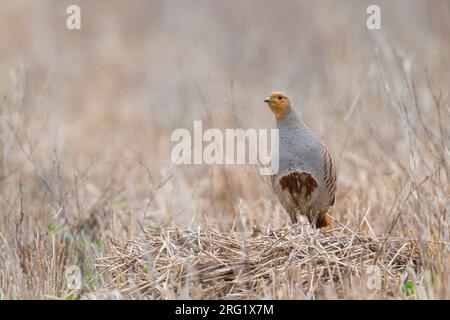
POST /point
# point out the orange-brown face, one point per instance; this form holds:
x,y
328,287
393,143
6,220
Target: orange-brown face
x,y
279,103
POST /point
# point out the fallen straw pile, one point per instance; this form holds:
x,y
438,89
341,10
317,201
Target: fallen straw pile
x,y
287,263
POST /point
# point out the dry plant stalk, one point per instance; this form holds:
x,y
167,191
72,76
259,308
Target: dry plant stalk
x,y
217,265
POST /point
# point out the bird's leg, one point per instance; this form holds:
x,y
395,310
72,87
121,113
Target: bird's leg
x,y
293,215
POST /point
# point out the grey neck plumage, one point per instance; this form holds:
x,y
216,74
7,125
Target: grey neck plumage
x,y
290,120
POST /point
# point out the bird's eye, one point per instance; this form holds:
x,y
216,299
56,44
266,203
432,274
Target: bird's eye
x,y
280,97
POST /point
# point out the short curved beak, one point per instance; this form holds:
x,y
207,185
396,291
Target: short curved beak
x,y
267,99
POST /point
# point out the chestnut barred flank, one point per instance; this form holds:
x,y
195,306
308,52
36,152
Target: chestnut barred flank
x,y
329,173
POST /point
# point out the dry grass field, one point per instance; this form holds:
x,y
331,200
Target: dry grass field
x,y
86,178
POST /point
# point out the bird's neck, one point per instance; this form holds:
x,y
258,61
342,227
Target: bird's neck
x,y
290,119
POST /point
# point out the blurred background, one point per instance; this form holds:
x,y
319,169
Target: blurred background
x,y
114,90
87,114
